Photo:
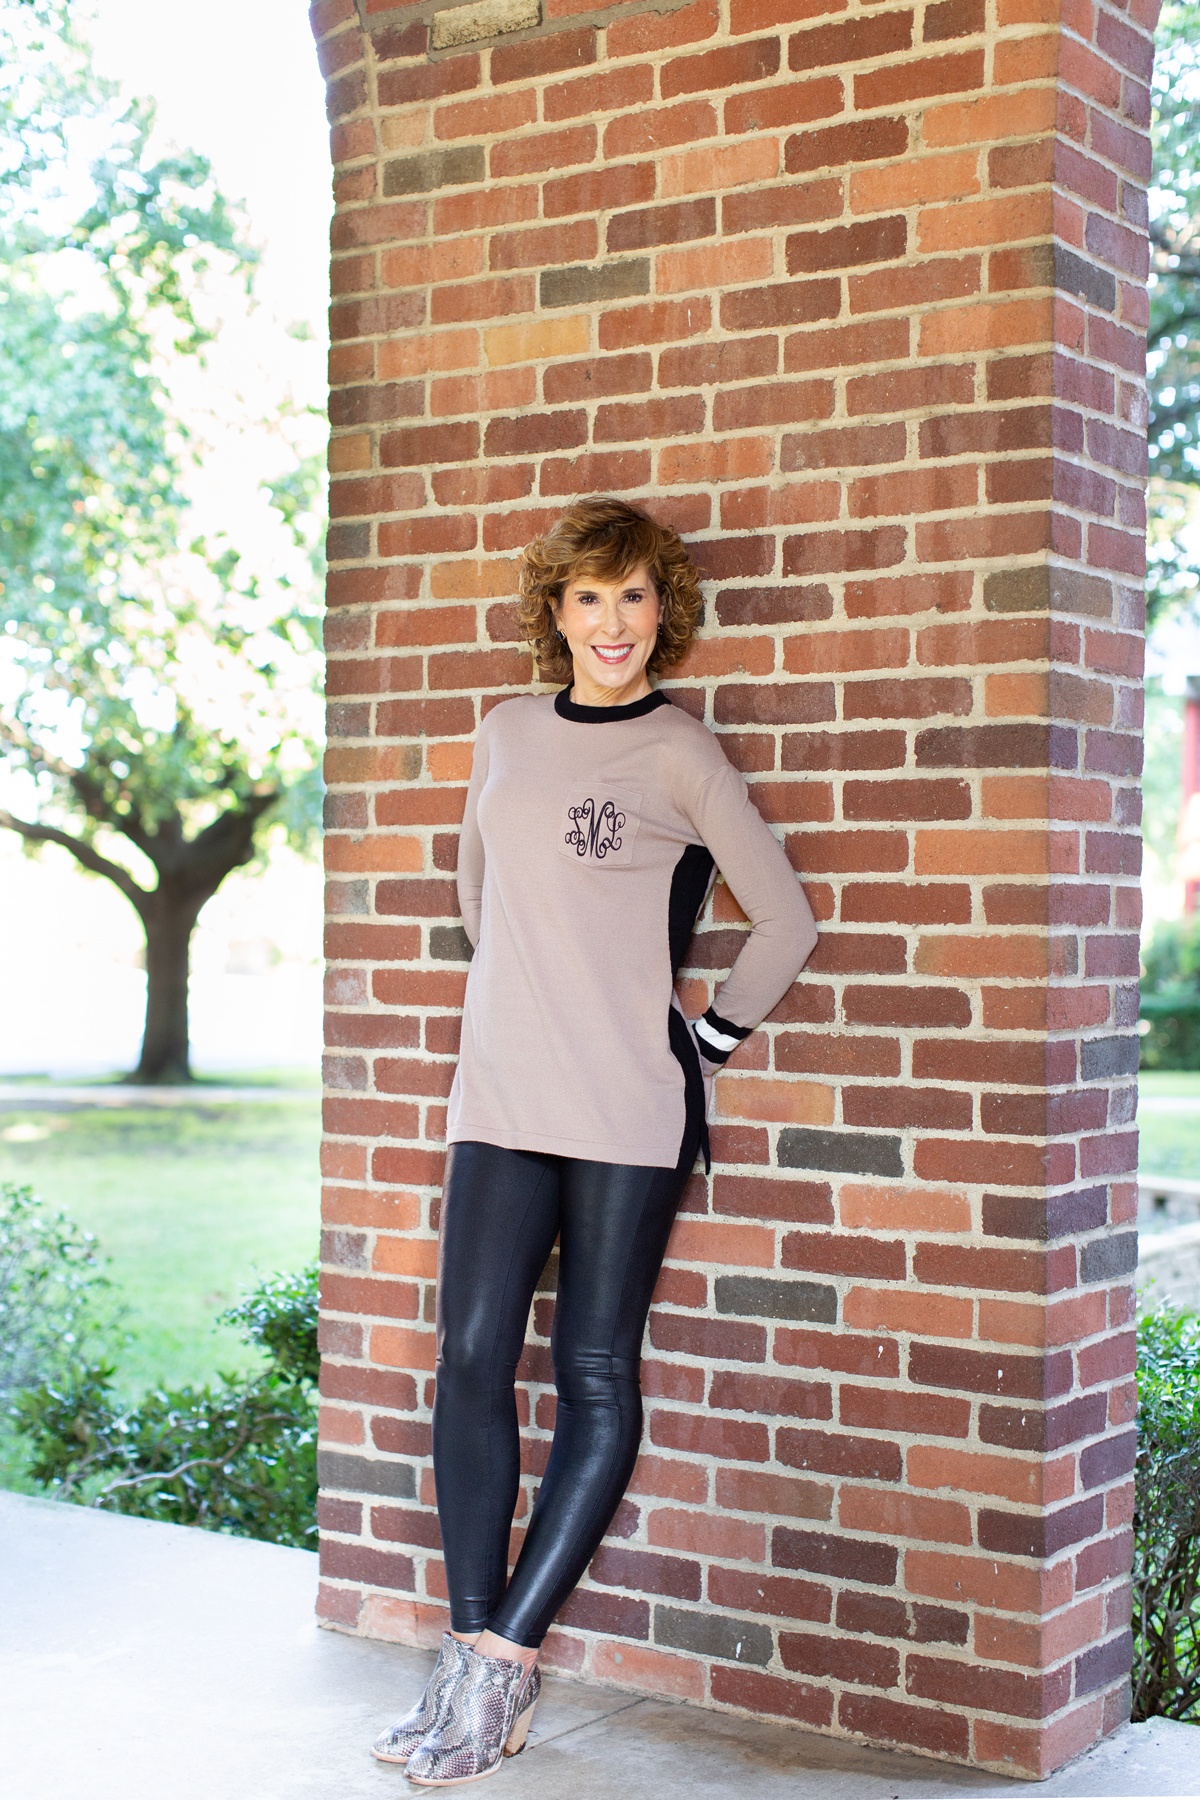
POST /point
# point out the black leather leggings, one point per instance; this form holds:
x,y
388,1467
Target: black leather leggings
x,y
501,1212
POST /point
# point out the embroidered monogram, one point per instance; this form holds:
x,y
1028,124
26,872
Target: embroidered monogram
x,y
595,828
599,826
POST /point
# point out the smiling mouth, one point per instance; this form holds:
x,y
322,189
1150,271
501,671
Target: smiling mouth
x,y
615,655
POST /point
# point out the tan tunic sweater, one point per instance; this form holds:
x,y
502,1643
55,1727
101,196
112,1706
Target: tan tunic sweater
x,y
587,850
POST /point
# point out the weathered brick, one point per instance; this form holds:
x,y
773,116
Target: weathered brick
x,y
932,690
708,1634
827,1553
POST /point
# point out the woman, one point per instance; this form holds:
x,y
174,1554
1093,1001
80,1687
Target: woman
x,y
593,821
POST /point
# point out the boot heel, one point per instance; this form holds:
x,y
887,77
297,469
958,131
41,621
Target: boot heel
x,y
519,1732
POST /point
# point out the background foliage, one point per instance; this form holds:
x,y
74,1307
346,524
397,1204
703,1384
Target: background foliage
x,y
50,1282
1170,995
1166,1524
1173,340
157,685
237,1455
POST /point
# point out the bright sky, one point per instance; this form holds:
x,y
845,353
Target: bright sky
x,y
238,81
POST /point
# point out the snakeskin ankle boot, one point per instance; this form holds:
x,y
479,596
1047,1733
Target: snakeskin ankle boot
x,y
488,1718
397,1743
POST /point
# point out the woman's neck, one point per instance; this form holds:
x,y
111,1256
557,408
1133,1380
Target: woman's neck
x,y
585,692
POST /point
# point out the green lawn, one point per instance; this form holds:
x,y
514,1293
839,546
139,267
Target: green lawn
x,y
1170,1142
188,1204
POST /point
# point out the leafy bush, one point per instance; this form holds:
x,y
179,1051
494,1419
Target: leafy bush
x,y
238,1457
280,1316
50,1282
1170,1003
1166,1521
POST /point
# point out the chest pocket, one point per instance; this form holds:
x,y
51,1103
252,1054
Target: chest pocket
x,y
598,826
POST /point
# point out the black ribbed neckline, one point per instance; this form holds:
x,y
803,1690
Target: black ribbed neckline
x,y
566,708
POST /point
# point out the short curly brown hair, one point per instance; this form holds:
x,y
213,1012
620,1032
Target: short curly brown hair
x,y
606,538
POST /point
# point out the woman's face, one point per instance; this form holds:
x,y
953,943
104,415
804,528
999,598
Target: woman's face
x,y
611,628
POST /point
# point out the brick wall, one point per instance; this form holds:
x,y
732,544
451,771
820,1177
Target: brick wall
x,y
854,296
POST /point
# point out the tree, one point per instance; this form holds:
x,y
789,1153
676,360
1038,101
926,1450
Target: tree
x,y
155,692
1173,341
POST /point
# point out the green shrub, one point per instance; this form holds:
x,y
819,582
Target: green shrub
x,y
280,1316
50,1283
1166,1520
1170,995
238,1457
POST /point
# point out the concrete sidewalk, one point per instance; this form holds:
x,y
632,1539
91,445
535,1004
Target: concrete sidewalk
x,y
142,1661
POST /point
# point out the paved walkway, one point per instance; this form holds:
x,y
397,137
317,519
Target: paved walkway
x,y
29,1096
147,1662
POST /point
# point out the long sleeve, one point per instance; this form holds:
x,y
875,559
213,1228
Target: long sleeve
x,y
470,844
783,933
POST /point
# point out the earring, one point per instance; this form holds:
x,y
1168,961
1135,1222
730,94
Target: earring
x,y
563,636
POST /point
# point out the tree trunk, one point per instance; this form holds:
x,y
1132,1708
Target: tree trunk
x,y
169,921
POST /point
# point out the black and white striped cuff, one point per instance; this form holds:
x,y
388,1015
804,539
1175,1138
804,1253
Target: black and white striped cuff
x,y
717,1038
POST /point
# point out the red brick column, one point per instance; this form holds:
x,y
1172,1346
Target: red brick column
x,y
854,296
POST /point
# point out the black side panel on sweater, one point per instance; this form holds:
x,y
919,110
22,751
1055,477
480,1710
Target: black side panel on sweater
x,y
689,884
695,1128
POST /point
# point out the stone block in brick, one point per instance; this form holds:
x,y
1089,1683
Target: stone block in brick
x,y
433,169
712,1634
762,1297
847,1153
483,18
1102,1059
366,1475
582,286
1109,1258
